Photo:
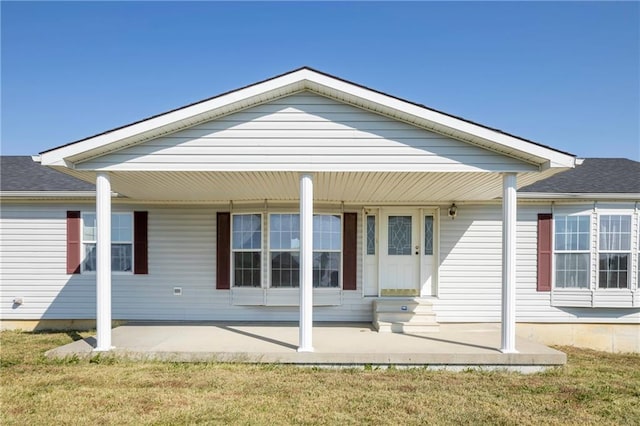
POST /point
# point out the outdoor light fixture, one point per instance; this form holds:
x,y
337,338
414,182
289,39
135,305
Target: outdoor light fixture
x,y
453,211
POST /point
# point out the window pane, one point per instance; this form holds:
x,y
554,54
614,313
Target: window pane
x,y
326,269
428,235
285,269
613,270
371,235
246,271
89,263
327,233
572,270
399,235
247,232
121,257
285,231
571,232
89,227
615,232
121,227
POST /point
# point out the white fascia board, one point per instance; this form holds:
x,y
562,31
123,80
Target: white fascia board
x,y
551,158
578,196
51,194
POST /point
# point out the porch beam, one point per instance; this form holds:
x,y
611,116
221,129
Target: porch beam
x,y
509,220
306,263
103,262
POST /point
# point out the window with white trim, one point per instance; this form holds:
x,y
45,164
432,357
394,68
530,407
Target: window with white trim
x,y
121,242
614,251
284,250
246,247
572,251
327,243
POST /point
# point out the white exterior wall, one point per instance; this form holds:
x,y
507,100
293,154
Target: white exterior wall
x,y
470,282
181,254
305,132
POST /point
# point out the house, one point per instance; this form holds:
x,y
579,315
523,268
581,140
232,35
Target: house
x,y
306,198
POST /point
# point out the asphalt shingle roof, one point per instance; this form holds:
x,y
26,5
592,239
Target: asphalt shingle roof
x,y
594,175
21,173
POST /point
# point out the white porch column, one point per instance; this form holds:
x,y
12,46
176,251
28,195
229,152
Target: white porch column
x,y
306,263
509,219
103,262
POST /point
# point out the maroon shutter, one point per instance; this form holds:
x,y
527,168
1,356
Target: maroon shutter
x,y
349,256
544,251
140,243
73,242
223,251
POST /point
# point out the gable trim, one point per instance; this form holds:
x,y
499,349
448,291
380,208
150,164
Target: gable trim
x,y
323,84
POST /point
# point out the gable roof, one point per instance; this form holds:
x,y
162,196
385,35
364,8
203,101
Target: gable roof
x,y
594,175
21,173
307,79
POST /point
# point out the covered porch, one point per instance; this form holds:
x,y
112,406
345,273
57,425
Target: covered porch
x,y
302,144
347,345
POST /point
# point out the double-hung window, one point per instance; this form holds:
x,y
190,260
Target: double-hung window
x,y
572,251
284,250
121,242
246,244
327,241
614,248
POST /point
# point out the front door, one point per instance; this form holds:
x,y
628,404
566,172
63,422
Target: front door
x,y
400,253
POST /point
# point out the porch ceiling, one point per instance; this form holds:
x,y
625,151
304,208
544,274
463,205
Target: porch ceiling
x,y
349,187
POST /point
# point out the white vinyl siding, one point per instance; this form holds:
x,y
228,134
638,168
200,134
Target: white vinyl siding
x,y
181,254
305,132
470,274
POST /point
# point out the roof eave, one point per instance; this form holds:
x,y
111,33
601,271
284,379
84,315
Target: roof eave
x,y
579,196
40,195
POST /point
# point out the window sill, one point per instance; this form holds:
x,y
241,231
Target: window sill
x,y
283,296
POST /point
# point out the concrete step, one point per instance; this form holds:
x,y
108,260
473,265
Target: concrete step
x,y
404,306
404,316
401,327
407,317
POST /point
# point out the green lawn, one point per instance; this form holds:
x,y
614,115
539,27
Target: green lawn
x,y
594,388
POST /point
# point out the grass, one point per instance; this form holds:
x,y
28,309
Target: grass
x,y
593,388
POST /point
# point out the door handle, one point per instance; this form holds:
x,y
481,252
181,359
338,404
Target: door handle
x,y
417,250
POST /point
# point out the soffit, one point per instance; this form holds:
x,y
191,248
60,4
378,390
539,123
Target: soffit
x,y
349,187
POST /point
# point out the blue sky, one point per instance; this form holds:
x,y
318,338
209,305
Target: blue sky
x,y
562,74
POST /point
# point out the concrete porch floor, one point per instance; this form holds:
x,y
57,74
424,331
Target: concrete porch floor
x,y
456,346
